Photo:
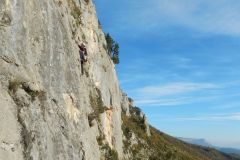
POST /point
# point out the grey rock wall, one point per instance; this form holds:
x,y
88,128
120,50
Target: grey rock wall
x,y
44,98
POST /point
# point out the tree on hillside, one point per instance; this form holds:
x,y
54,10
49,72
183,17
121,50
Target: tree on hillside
x,y
112,48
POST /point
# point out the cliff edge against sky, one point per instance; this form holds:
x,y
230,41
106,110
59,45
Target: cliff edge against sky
x,y
49,109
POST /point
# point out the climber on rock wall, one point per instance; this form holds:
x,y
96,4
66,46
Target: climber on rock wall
x,y
83,58
83,53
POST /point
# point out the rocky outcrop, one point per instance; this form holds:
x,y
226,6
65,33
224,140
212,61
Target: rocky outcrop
x,y
125,104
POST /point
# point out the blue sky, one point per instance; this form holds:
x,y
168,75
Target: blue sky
x,y
179,60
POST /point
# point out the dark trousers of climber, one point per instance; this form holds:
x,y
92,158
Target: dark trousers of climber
x,y
85,68
82,69
84,64
82,61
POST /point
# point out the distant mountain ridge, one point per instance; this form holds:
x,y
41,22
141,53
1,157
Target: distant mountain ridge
x,y
203,142
200,142
229,150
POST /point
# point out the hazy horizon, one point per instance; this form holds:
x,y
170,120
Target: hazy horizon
x,y
179,61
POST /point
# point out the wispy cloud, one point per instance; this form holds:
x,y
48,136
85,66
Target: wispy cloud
x,y
213,117
180,93
175,88
163,102
221,17
180,100
158,102
174,94
207,16
229,105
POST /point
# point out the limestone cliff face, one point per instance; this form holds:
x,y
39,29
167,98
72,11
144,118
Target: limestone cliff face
x,y
48,108
53,108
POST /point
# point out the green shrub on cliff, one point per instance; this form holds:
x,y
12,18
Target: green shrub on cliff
x,y
112,48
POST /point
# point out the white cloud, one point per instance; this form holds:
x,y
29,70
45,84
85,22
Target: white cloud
x,y
229,105
163,102
219,16
175,88
172,101
213,117
175,94
180,100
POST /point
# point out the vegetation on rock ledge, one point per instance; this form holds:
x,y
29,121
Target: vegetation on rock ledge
x,y
112,48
